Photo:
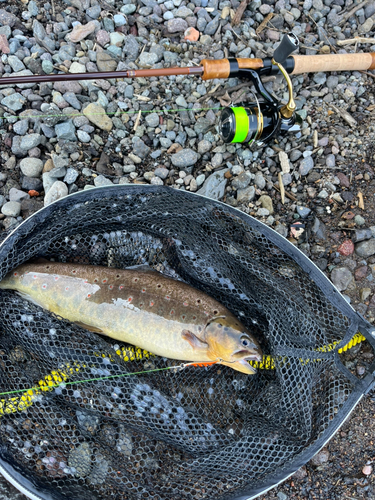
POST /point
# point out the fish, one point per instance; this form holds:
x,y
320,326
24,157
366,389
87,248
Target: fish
x,y
142,307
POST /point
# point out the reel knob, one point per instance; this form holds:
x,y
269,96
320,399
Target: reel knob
x,y
288,44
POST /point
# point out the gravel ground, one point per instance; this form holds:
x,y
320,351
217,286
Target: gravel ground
x,y
64,137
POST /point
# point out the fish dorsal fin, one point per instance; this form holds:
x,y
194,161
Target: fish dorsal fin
x,y
196,343
88,327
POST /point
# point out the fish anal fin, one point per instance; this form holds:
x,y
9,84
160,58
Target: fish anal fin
x,y
88,327
196,343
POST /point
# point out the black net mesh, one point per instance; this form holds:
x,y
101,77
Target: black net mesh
x,y
197,433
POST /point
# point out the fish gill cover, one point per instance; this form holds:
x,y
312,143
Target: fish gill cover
x,y
87,417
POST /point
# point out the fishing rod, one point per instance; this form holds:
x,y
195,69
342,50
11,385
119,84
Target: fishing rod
x,y
255,123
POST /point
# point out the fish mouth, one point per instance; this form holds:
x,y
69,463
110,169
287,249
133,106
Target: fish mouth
x,y
245,355
241,359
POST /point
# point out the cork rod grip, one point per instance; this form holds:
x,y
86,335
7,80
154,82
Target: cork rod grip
x,y
333,62
220,68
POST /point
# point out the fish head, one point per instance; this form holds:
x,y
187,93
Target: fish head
x,y
230,341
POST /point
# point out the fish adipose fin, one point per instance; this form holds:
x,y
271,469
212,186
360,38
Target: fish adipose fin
x,y
89,327
196,343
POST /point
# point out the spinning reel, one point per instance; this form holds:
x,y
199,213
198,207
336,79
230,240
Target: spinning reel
x,y
258,122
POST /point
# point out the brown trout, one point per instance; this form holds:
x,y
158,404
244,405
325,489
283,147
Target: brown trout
x,y
167,317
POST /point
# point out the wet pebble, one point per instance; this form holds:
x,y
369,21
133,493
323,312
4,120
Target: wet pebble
x,y
80,460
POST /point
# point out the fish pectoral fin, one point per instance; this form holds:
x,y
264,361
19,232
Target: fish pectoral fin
x,y
194,341
89,327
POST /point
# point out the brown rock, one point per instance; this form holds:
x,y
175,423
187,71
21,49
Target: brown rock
x,y
320,458
4,45
105,62
300,473
344,181
48,166
81,31
361,273
346,248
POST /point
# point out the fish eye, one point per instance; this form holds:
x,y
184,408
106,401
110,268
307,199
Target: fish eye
x,y
245,341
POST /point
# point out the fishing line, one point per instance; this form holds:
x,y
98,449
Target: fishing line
x,y
63,383
63,115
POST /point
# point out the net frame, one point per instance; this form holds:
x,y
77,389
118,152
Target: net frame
x,y
11,247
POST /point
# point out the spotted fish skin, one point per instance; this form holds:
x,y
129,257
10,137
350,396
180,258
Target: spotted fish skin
x,y
167,317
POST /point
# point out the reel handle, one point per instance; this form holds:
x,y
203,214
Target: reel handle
x,y
288,44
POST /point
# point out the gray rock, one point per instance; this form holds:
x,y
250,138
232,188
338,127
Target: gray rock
x,y
161,172
48,181
365,248
330,160
341,277
11,209
38,30
200,179
366,26
15,63
14,101
102,181
242,180
7,19
66,131
204,146
260,180
320,78
181,102
359,220
31,167
176,25
139,147
152,120
128,9
184,158
94,12
71,99
282,496
58,190
332,81
148,59
306,165
57,172
303,212
83,136
295,155
21,127
212,26
281,229
131,48
369,9
17,195
34,183
30,141
33,8
217,160
119,20
246,195
214,186
71,176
